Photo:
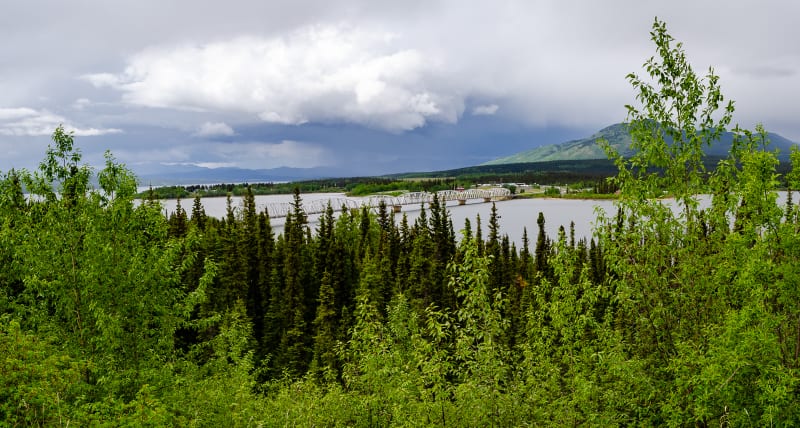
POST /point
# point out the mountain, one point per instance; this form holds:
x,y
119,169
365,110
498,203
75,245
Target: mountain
x,y
188,174
618,136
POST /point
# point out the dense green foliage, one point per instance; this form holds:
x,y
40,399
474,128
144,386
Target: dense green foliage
x,y
111,314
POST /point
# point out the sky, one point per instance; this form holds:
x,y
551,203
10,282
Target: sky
x,y
362,87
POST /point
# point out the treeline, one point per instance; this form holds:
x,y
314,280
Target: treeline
x,y
550,172
239,189
355,186
390,185
583,173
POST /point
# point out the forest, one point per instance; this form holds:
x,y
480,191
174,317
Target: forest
x,y
112,313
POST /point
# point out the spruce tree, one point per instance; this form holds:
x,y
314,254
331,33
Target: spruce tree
x,y
541,253
198,214
384,217
443,252
405,246
421,285
294,342
325,363
178,222
232,282
479,235
275,322
364,232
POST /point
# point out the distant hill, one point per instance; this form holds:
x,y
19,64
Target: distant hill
x,y
585,167
187,174
618,136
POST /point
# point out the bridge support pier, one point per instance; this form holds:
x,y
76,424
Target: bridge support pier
x,y
487,199
397,208
462,201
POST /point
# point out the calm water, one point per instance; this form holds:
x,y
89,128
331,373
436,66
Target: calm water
x,y
515,215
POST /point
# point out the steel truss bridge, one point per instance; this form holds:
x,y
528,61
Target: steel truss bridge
x,y
394,203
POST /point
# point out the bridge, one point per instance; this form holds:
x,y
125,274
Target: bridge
x,y
396,203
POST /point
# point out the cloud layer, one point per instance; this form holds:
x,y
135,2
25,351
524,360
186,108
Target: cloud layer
x,y
23,121
452,80
485,110
317,74
214,129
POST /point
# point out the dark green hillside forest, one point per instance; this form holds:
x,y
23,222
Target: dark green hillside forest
x,y
112,314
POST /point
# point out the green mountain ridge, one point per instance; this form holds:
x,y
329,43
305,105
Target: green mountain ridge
x,y
619,138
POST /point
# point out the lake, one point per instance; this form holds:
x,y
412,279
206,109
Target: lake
x,y
515,214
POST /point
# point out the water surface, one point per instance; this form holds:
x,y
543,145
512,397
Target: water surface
x,y
515,215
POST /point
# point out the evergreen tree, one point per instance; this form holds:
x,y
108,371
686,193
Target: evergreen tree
x,y
294,342
421,285
494,249
325,363
364,232
178,224
405,245
479,235
444,250
248,242
265,257
275,323
384,217
198,214
541,253
525,277
232,283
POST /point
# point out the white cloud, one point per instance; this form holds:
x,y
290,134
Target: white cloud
x,y
23,121
81,103
209,165
214,129
16,113
274,117
485,110
102,79
408,65
546,63
214,165
90,132
316,74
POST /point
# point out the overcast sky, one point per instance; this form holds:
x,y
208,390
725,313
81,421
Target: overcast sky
x,y
366,86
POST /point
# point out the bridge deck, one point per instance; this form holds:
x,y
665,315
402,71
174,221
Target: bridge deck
x,y
413,198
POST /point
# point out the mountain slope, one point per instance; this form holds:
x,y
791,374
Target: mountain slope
x,y
619,138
